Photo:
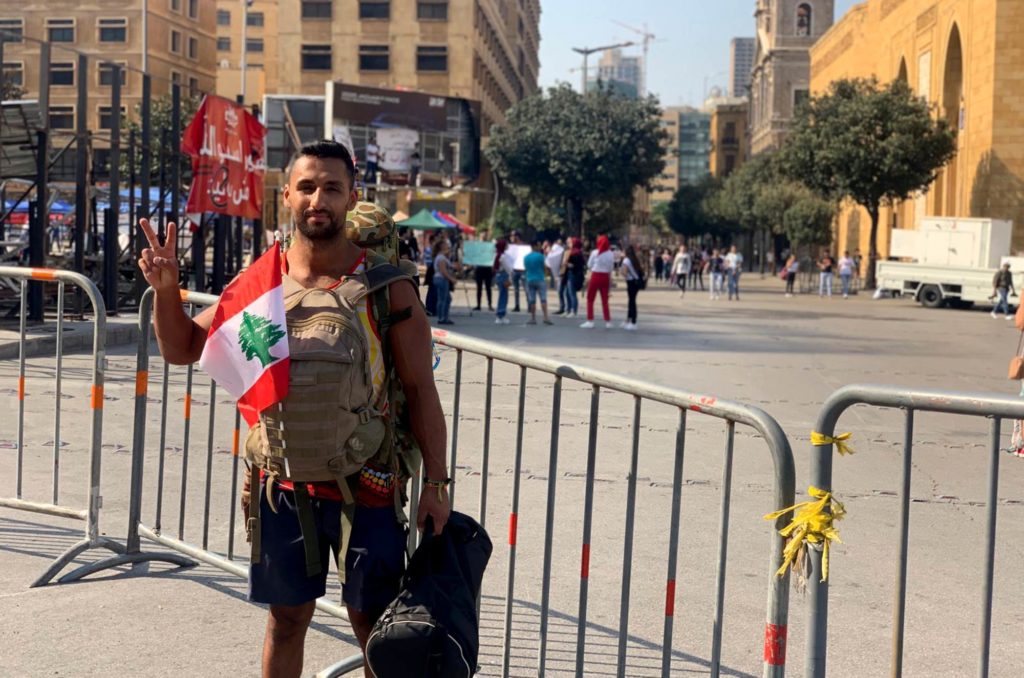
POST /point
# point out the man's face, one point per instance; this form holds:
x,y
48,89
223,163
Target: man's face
x,y
320,194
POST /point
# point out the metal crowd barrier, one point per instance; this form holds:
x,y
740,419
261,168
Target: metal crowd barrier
x,y
91,513
687,404
995,407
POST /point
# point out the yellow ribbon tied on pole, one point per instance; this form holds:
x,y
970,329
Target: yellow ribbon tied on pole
x,y
812,528
839,441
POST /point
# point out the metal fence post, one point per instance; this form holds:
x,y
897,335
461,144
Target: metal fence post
x,y
111,247
145,163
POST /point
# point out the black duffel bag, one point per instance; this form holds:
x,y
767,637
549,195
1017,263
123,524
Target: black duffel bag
x,y
431,629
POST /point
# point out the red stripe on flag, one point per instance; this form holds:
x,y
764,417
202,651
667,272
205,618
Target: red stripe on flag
x,y
265,392
670,598
258,279
585,562
512,521
775,644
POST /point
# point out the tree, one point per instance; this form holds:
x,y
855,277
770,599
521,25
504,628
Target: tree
x,y
689,212
580,150
256,336
873,144
9,91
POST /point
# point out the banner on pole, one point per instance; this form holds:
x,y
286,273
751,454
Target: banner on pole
x,y
227,145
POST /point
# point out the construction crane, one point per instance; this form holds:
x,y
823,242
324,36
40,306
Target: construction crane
x,y
648,38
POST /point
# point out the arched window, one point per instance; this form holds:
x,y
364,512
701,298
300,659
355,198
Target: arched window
x,y
803,20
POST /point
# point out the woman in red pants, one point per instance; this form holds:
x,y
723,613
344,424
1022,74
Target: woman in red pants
x,y
601,265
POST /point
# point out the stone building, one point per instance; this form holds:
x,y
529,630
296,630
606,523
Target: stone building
x,y
728,138
786,30
965,57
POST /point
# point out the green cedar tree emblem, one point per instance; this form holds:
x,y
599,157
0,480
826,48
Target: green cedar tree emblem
x,y
256,336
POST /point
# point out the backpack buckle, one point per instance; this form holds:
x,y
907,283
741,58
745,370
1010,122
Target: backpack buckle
x,y
364,416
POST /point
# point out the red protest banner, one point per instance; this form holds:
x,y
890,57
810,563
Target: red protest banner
x,y
227,145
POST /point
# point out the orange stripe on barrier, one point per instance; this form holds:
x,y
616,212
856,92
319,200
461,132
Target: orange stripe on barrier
x,y
43,274
96,398
21,388
585,562
188,406
183,294
141,383
670,598
234,443
512,522
775,644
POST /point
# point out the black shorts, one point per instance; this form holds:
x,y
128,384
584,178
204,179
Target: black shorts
x,y
373,567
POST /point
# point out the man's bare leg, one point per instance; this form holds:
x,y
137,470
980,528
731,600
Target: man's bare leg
x,y
362,625
285,640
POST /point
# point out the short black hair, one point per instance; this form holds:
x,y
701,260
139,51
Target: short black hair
x,y
327,148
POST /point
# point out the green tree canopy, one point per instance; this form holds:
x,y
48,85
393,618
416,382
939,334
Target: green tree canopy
x,y
689,212
870,143
579,150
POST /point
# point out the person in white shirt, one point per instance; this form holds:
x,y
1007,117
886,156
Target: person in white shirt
x,y
681,267
846,267
733,269
504,263
553,262
372,157
601,264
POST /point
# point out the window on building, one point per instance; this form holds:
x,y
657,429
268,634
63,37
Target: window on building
x,y
429,58
316,57
62,117
223,44
432,10
374,58
193,47
107,117
193,9
193,87
316,9
175,80
175,5
730,132
61,30
799,97
62,73
175,42
14,73
803,20
106,71
223,17
254,45
13,30
113,30
254,19
374,9
730,163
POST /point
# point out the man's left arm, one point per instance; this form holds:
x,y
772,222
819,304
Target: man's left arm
x,y
410,345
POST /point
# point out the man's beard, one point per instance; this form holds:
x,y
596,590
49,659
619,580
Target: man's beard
x,y
328,230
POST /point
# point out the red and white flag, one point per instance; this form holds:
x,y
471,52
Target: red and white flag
x,y
246,350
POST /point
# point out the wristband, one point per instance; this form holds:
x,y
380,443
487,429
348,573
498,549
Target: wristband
x,y
439,485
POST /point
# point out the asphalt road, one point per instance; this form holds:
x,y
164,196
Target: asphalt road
x,y
782,355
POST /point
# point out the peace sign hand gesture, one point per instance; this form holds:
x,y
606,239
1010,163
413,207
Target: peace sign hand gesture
x,y
159,263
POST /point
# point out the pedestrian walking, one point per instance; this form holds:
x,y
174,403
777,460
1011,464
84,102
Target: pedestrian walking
x,y
858,258
444,281
503,268
428,278
733,270
289,514
553,261
682,265
791,271
601,265
716,268
700,262
825,266
576,273
666,263
659,266
536,283
846,267
518,271
632,270
1002,284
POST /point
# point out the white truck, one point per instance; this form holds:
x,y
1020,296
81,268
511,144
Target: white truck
x,y
949,261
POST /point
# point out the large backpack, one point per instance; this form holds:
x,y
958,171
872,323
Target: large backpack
x,y
431,629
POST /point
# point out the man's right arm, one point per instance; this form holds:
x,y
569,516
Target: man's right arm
x,y
181,338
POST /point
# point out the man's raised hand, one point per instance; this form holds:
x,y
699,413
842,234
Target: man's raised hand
x,y
159,263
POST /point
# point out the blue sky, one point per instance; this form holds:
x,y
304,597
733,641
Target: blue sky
x,y
691,51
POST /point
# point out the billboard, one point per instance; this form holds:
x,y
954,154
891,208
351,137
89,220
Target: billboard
x,y
406,138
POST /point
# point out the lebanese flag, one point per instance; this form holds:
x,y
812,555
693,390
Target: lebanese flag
x,y
246,350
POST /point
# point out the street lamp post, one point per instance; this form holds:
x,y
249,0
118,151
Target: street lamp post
x,y
245,48
587,51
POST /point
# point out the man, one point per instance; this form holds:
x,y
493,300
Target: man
x,y
553,261
733,270
518,270
681,267
372,158
1002,285
536,283
319,194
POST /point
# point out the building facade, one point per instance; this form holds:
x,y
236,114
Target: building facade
x,y
687,151
623,74
741,65
728,138
179,47
781,78
964,57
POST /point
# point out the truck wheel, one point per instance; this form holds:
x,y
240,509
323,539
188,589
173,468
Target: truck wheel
x,y
930,296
